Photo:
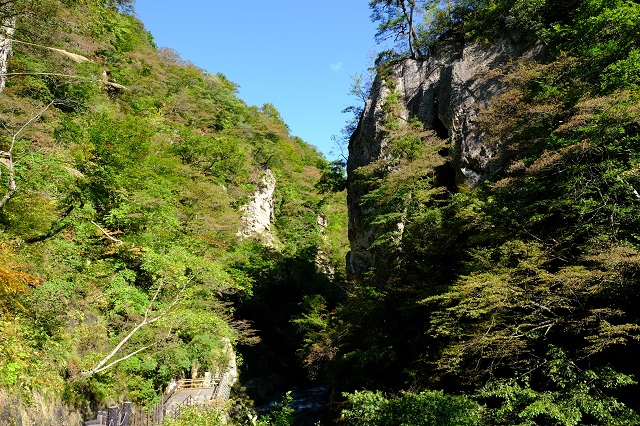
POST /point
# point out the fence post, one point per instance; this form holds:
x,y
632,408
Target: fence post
x,y
101,418
113,416
126,414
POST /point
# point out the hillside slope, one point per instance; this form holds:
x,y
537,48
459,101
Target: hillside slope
x,y
123,175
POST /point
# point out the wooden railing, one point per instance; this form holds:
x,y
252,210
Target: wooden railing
x,y
127,415
201,383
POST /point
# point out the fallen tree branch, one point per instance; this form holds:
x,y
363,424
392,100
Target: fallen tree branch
x,y
101,369
106,233
55,228
76,77
73,56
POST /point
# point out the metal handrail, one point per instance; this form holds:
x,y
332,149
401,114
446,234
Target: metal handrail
x,y
168,396
188,401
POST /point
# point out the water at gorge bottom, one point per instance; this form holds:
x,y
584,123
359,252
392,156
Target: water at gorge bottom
x,y
309,405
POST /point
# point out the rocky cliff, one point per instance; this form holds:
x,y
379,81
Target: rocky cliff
x,y
257,214
446,92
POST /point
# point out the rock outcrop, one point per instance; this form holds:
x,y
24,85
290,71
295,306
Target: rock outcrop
x,y
257,214
446,92
322,261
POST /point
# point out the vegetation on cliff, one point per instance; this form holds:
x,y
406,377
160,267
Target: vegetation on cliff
x,y
123,171
519,292
512,301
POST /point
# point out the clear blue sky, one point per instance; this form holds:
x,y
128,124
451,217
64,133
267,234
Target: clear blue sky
x,y
299,55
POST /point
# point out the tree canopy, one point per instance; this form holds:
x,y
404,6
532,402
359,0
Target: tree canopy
x,y
518,292
123,171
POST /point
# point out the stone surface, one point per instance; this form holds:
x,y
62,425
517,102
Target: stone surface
x,y
257,214
446,92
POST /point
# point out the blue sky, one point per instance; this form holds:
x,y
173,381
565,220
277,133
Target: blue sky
x,y
298,55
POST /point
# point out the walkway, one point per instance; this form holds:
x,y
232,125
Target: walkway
x,y
187,392
207,390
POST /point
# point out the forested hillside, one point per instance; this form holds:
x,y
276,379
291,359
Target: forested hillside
x,y
124,172
493,198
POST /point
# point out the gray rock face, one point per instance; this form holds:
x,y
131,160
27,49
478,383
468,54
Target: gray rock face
x,y
446,92
257,215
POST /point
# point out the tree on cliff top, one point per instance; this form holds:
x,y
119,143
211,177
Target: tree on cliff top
x,y
396,19
418,22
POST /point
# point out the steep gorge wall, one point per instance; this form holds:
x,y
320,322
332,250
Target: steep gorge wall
x,y
446,92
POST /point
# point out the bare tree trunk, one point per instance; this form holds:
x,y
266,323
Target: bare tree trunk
x,y
108,361
107,233
6,160
408,14
7,31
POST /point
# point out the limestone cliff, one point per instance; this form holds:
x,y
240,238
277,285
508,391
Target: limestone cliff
x,y
257,214
446,92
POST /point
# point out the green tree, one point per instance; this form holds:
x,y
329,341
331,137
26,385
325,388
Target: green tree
x,y
333,177
480,281
398,20
416,25
427,408
571,396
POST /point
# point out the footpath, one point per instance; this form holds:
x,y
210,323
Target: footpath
x,y
205,391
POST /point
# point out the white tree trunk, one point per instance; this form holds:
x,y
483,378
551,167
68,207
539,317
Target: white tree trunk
x,y
7,30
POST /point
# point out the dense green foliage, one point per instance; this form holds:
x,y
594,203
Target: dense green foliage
x,y
280,414
197,416
520,292
120,262
412,409
124,170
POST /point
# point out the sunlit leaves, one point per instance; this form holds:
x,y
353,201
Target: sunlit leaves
x,y
544,254
127,209
12,282
420,409
572,396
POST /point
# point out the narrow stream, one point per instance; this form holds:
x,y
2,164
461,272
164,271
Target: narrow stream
x,y
309,405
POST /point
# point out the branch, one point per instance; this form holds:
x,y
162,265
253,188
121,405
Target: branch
x,y
55,228
107,234
115,350
145,321
73,56
99,370
7,157
77,77
531,302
